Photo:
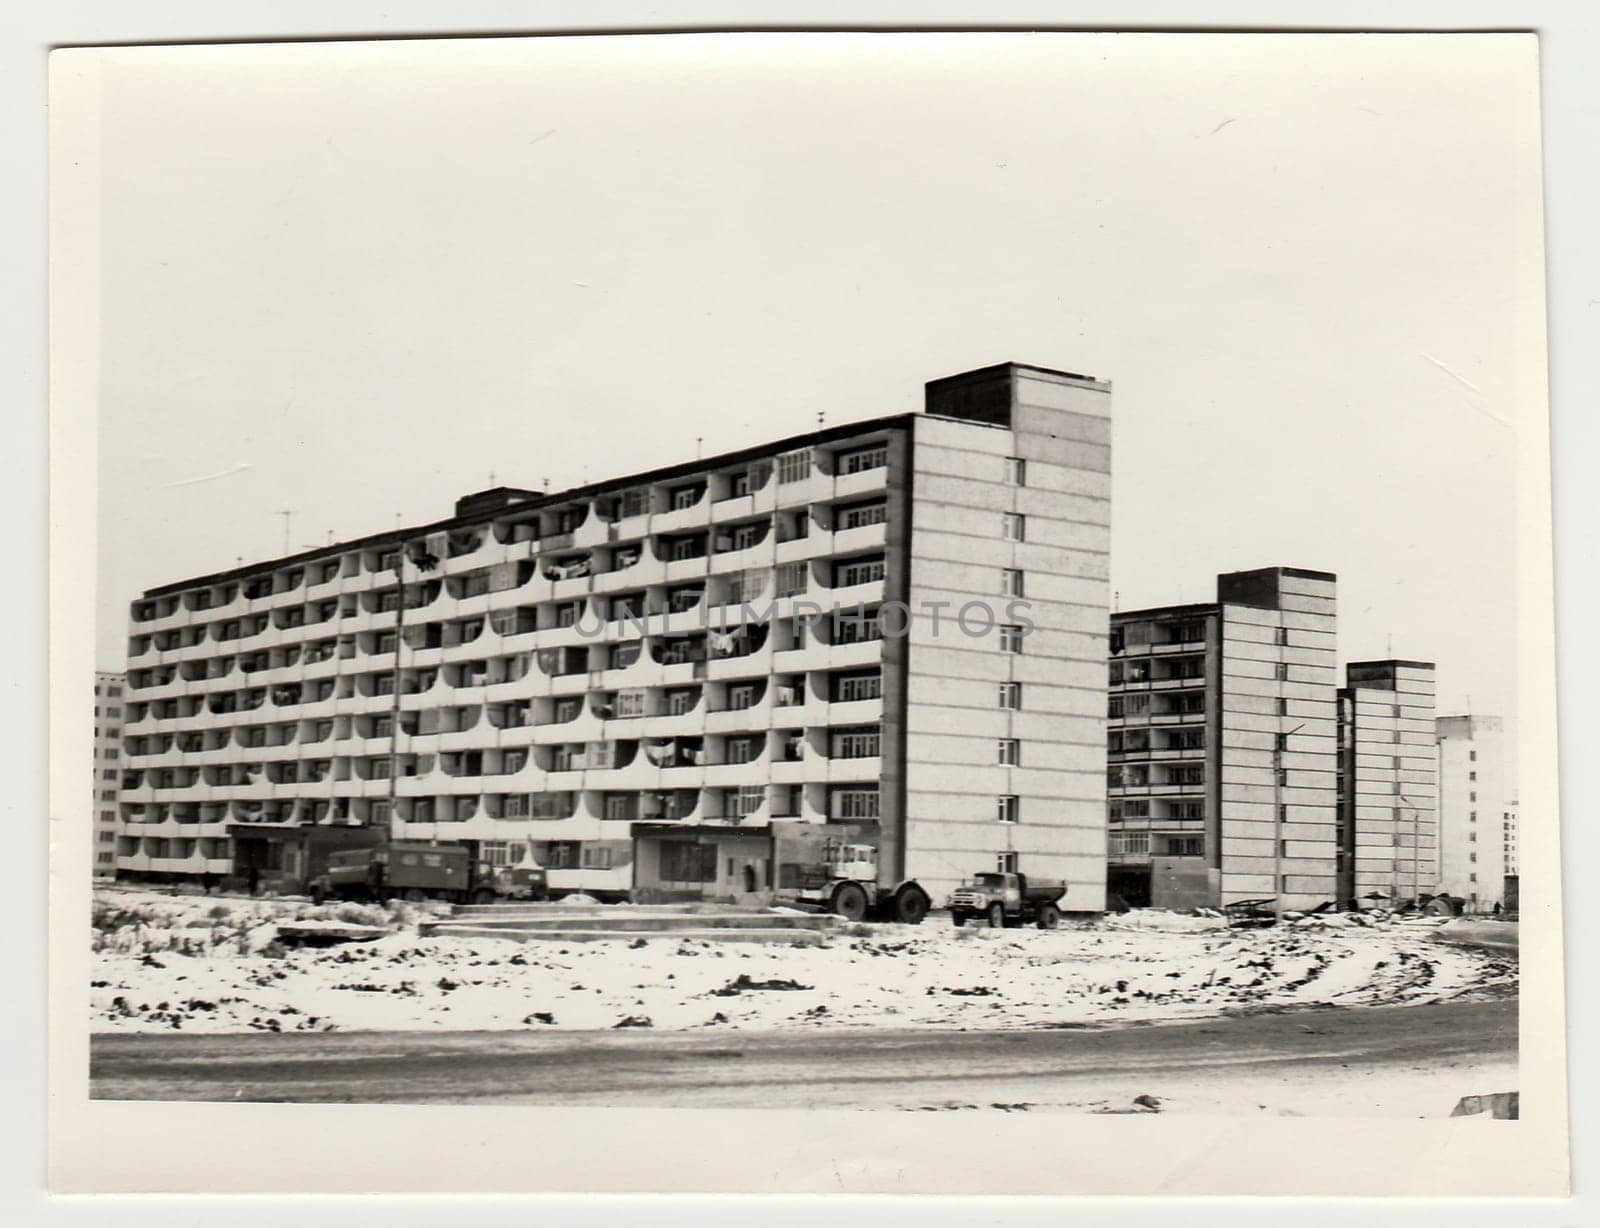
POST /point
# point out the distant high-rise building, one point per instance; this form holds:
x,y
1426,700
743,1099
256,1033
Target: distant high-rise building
x,y
107,771
1472,808
1509,836
1388,804
1221,755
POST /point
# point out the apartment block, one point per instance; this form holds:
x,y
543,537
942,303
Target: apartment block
x,y
1509,836
1221,747
677,684
1472,860
1388,782
107,771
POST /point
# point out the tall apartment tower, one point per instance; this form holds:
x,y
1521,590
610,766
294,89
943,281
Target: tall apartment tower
x,y
1472,791
681,683
1222,745
107,771
1509,836
1388,782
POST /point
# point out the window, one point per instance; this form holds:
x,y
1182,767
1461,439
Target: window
x,y
745,800
1283,777
791,578
739,484
1280,741
862,459
1281,635
682,862
562,854
854,803
688,548
1185,846
1472,776
856,628
743,750
596,857
108,774
108,837
850,687
860,515
1006,863
630,703
857,571
1472,857
1011,696
743,695
679,702
1005,808
513,760
1283,706
1016,471
1010,582
1283,813
861,743
1472,837
1011,637
622,806
1009,752
1282,671
1014,527
794,466
1472,797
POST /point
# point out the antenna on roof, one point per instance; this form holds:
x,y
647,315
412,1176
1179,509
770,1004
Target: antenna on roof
x,y
547,486
699,446
491,479
1388,645
1116,600
821,417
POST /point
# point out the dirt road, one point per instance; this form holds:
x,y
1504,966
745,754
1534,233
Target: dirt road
x,y
1390,1061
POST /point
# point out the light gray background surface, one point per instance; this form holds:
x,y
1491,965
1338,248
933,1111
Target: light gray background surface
x,y
1570,116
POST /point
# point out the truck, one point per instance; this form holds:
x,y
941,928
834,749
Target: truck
x,y
846,882
419,870
1007,899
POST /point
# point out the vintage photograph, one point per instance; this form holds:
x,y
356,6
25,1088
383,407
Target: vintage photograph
x,y
979,576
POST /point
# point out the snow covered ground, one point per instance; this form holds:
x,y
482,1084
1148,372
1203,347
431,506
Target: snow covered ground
x,y
203,964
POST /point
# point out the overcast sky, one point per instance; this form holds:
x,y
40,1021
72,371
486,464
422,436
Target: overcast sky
x,y
354,281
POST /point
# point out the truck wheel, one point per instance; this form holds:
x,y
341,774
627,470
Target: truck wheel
x,y
1049,916
318,895
850,901
911,905
482,895
997,916
957,919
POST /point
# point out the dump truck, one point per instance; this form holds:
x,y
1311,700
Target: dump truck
x,y
419,870
846,882
1004,899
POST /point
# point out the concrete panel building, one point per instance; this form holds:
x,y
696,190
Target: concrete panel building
x,y
681,683
107,772
1221,748
1472,806
1388,782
